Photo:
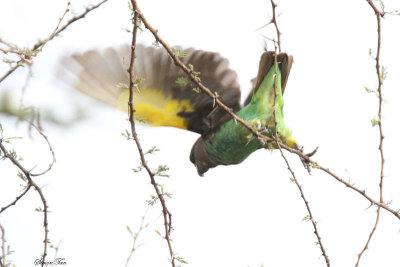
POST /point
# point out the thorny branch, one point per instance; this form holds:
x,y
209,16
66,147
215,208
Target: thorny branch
x,y
31,183
25,56
378,15
3,247
262,138
310,216
294,178
274,22
28,186
39,130
165,211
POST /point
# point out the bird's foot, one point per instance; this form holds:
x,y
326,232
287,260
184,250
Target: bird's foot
x,y
306,163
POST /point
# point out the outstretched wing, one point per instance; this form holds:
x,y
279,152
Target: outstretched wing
x,y
266,62
160,100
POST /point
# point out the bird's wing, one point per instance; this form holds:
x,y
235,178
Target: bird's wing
x,y
159,99
266,62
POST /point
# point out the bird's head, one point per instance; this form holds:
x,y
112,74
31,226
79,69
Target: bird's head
x,y
200,158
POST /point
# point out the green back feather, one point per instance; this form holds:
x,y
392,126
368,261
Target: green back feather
x,y
233,142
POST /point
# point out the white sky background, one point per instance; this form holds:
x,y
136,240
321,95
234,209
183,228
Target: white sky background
x,y
244,215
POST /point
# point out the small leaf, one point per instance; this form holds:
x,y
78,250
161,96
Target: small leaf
x,y
374,122
156,43
182,81
152,150
139,80
21,176
369,90
180,53
181,260
137,169
383,73
126,134
130,6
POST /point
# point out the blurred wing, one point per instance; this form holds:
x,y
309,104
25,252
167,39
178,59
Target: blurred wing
x,y
266,62
159,100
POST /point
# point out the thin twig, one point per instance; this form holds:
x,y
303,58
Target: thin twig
x,y
378,15
21,54
274,22
135,237
3,247
28,186
166,213
56,248
81,16
310,216
40,131
39,45
264,139
27,175
25,85
347,184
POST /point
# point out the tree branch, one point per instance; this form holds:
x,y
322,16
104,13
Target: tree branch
x,y
310,216
132,82
39,45
3,247
378,15
30,184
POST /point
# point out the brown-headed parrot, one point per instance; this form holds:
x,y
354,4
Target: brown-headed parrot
x,y
165,97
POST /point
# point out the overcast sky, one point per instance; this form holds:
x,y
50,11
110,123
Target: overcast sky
x,y
244,215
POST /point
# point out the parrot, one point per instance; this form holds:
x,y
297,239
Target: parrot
x,y
164,96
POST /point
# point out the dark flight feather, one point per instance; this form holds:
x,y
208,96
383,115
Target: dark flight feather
x,y
101,75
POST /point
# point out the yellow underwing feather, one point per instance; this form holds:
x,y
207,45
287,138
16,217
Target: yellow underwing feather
x,y
161,101
156,109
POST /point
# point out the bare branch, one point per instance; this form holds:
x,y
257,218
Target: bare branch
x,y
273,21
3,247
40,131
39,45
135,237
310,216
31,183
28,186
378,15
166,213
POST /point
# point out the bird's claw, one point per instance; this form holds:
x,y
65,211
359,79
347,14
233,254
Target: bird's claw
x,y
306,162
